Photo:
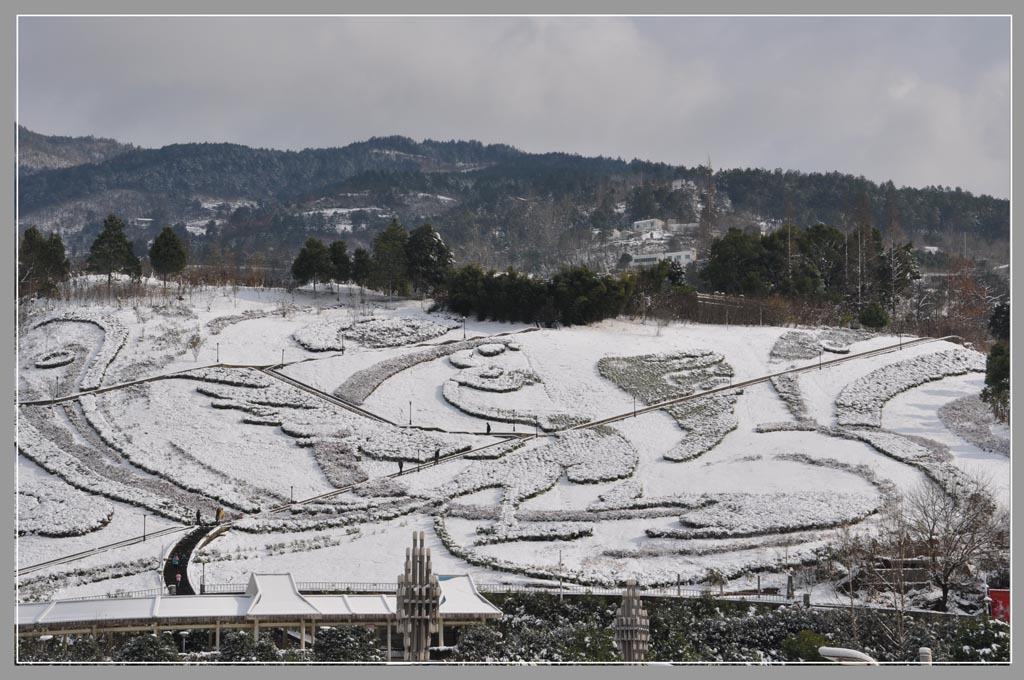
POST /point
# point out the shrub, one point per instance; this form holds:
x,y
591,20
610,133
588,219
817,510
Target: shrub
x,y
804,646
346,643
150,648
874,316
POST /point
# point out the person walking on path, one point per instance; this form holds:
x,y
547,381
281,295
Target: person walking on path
x,y
399,467
177,583
220,514
199,518
437,456
174,561
488,428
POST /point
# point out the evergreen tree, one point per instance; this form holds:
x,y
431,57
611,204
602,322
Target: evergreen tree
x,y
168,255
428,259
111,252
313,263
42,263
361,267
390,266
874,316
341,260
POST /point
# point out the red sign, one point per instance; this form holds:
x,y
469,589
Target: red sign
x,y
1000,604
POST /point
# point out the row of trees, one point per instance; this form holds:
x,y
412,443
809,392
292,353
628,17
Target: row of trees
x,y
821,262
573,296
399,260
338,643
997,367
43,264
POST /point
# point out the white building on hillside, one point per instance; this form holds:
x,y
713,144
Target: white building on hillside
x,y
649,225
683,257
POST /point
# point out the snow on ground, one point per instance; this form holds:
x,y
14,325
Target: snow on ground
x,y
915,412
252,326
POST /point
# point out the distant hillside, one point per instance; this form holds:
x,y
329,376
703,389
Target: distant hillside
x,y
44,152
493,204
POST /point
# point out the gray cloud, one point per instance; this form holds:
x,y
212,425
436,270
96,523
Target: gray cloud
x,y
916,100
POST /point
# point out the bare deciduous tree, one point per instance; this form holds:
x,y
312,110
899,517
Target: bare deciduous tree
x,y
955,531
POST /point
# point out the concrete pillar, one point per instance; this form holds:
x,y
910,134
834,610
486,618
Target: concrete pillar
x,y
216,637
388,657
302,634
924,655
256,630
312,634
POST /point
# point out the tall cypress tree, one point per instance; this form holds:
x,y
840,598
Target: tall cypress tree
x,y
427,258
112,252
361,266
341,260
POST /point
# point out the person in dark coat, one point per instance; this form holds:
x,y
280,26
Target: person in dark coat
x,y
174,561
399,467
488,428
437,456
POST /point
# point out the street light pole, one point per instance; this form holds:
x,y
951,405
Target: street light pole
x,y
634,406
218,352
410,413
463,328
143,527
282,357
291,493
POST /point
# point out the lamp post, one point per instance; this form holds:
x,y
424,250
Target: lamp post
x,y
410,413
463,328
282,357
218,352
342,343
291,493
143,527
634,406
819,358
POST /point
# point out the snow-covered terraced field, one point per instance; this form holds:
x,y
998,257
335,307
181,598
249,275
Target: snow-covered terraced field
x,y
752,480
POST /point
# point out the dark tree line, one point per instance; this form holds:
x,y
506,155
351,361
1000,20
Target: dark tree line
x,y
399,261
857,268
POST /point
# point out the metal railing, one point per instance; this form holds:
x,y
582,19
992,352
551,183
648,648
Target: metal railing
x,y
118,595
505,588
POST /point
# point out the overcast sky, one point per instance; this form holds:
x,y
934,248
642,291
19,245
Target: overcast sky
x,y
916,100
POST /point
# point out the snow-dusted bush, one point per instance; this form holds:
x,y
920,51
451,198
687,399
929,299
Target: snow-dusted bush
x,y
585,456
396,331
533,531
496,379
172,463
654,378
362,384
496,451
860,402
55,358
491,349
114,337
466,358
885,487
221,322
55,459
971,419
322,336
339,462
787,386
797,345
706,421
377,510
473,402
236,377
381,487
51,507
41,587
745,514
787,426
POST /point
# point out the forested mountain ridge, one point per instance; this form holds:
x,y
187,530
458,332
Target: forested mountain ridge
x,y
44,152
493,204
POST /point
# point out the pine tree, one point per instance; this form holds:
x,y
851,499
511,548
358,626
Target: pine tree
x,y
313,263
112,252
390,266
341,261
167,255
427,258
42,263
361,266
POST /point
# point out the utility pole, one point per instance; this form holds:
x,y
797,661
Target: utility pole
x,y
410,413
